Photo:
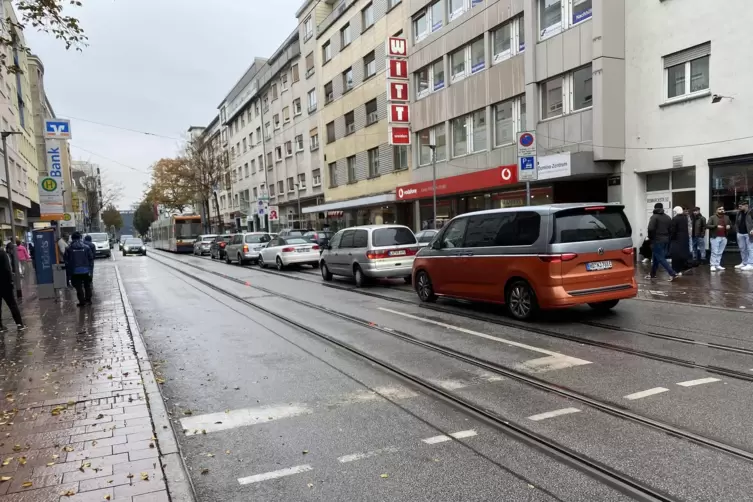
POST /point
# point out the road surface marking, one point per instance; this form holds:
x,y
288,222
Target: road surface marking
x,y
550,363
556,361
392,393
275,474
368,454
450,384
456,435
646,393
552,414
700,381
214,422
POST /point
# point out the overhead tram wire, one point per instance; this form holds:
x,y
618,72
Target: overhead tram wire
x,y
110,159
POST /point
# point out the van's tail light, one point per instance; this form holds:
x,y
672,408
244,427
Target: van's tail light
x,y
628,251
595,208
381,254
315,247
557,258
245,248
288,250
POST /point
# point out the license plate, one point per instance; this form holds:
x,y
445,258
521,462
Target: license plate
x,y
304,250
598,265
399,252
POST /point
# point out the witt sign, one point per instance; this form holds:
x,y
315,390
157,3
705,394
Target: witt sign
x,y
399,114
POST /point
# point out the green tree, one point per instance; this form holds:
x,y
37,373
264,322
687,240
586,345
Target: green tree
x,y
143,217
112,218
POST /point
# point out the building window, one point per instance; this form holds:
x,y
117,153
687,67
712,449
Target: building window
x,y
582,88
457,64
437,75
243,121
558,15
312,100
232,152
286,114
350,123
367,17
509,119
435,135
278,153
308,28
309,64
297,106
288,148
246,172
469,134
280,187
269,161
255,192
348,80
567,94
581,10
392,3
331,132
301,181
261,163
428,21
326,52
332,174
291,185
274,92
477,55
272,190
253,166
467,60
479,131
299,143
258,135
314,139
508,40
351,161
551,98
687,72
369,65
294,73
316,177
284,82
250,139
276,120
329,95
372,115
245,145
345,36
373,156
399,157
423,77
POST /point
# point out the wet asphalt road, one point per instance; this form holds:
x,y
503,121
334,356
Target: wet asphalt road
x,y
267,411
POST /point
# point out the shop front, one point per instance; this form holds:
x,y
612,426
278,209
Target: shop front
x,y
371,210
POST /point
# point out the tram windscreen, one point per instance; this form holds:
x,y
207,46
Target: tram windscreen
x,y
185,230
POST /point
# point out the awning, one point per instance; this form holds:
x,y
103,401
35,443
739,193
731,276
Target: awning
x,y
371,200
335,214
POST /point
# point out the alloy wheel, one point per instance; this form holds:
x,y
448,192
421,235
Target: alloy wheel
x,y
521,301
424,288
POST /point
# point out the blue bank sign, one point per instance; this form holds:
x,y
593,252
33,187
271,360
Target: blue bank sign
x,y
57,129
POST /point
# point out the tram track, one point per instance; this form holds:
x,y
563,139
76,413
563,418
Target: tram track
x,y
477,362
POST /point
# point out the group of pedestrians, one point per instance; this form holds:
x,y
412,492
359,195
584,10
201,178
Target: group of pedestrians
x,y
682,239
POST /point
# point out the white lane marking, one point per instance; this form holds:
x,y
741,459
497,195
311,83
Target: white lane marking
x,y
552,414
556,361
700,381
456,435
275,474
450,384
550,363
361,396
367,454
646,393
213,422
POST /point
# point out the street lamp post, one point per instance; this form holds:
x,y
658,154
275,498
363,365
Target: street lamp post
x,y
298,194
8,185
433,146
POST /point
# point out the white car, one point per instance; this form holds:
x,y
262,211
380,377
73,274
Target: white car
x,y
285,251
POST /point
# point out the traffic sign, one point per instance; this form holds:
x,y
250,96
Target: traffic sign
x,y
527,144
57,129
527,169
274,213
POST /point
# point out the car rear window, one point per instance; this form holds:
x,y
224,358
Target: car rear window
x,y
295,240
393,236
256,239
590,224
208,238
134,242
225,238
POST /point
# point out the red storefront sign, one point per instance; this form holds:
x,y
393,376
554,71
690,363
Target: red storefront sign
x,y
397,47
399,135
399,113
471,182
397,91
397,68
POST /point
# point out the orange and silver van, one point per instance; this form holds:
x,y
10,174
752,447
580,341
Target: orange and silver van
x,y
531,258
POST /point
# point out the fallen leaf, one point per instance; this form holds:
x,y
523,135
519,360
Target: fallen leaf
x,y
109,377
227,452
50,464
160,380
151,445
107,497
210,455
384,476
188,412
100,416
310,485
109,481
3,479
69,493
237,388
68,448
27,484
17,448
530,485
22,460
7,461
94,443
130,476
305,452
144,476
205,471
203,431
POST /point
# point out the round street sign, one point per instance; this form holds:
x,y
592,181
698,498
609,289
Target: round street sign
x,y
526,139
49,185
67,217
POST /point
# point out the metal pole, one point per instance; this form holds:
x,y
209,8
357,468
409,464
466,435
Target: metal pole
x,y
263,166
434,181
528,193
13,251
300,221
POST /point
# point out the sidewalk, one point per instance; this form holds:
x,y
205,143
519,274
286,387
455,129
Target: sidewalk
x,y
76,419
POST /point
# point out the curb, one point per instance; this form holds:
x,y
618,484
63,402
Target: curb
x,y
179,485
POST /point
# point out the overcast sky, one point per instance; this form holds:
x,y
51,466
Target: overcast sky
x,y
156,66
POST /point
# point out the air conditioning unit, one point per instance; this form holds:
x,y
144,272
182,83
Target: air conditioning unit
x,y
350,128
330,96
372,117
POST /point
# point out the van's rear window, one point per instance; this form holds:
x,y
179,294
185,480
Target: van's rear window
x,y
586,224
393,236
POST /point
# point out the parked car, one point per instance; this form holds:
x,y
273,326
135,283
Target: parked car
x,y
284,251
320,237
531,258
101,243
202,244
292,232
372,251
123,238
244,248
134,246
424,237
217,247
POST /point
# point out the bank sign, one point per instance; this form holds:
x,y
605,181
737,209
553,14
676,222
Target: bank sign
x,y
57,129
51,185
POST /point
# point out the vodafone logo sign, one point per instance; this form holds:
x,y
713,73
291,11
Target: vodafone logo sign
x,y
404,192
506,173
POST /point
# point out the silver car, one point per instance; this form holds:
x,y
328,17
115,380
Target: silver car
x,y
202,244
244,248
372,251
424,237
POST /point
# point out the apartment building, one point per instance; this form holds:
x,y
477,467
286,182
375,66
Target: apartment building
x,y
689,137
362,168
482,71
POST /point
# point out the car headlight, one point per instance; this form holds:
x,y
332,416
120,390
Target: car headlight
x,y
125,248
142,248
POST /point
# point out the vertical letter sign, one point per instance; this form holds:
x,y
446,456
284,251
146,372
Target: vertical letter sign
x,y
396,50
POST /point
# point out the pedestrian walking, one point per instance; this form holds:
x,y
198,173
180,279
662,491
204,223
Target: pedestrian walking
x,y
698,235
62,246
8,292
678,241
79,259
23,256
744,224
719,224
658,233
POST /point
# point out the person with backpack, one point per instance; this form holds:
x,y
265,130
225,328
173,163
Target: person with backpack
x,y
79,259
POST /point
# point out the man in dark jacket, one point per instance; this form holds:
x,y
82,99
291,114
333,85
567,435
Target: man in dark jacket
x,y
698,235
8,292
79,259
719,224
744,224
659,232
